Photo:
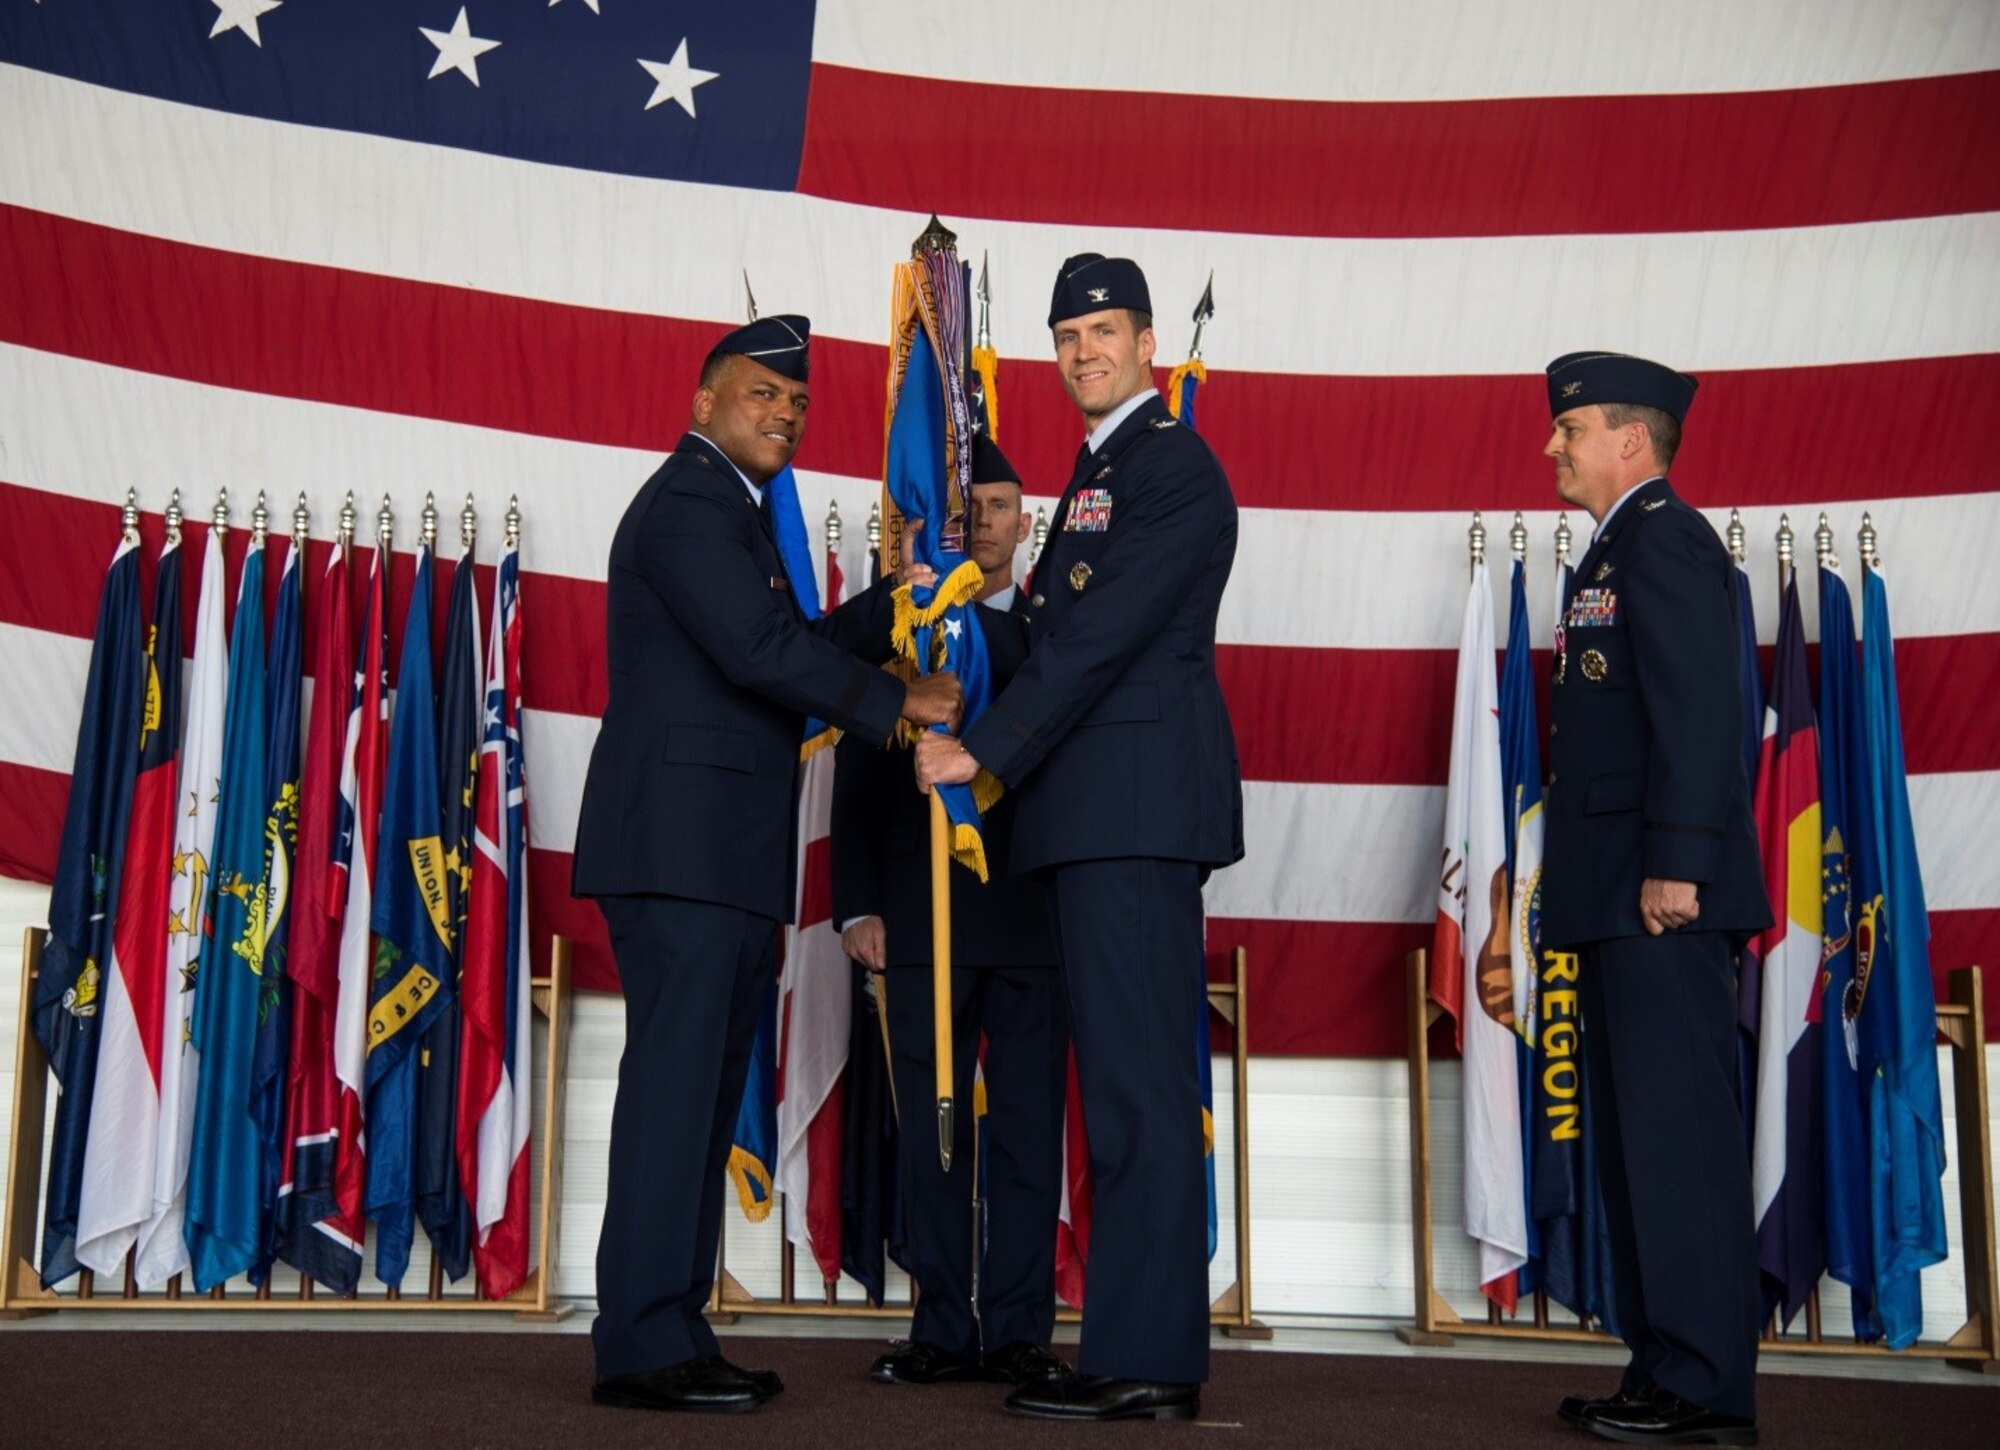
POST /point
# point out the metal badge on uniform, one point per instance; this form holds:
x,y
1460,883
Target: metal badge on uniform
x,y
1594,666
1653,503
1603,572
1104,472
1590,608
1079,575
1159,423
1089,512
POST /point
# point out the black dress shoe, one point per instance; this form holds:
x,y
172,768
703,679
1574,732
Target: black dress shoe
x,y
914,1362
1669,1420
1580,1410
1093,1397
1022,1363
696,1386
764,1381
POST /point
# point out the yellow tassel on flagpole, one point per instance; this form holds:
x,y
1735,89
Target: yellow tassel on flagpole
x,y
986,362
1194,368
744,1172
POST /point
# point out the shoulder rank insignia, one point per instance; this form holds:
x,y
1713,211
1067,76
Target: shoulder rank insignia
x,y
1653,503
1166,423
1089,512
1594,666
1079,575
1603,572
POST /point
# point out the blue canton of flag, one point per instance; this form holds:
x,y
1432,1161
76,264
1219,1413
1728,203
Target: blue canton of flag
x,y
281,839
68,988
1843,787
1894,1002
610,88
224,1160
412,925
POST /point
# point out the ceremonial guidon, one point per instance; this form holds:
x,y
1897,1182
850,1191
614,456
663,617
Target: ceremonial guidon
x,y
1651,873
986,1306
687,839
1116,741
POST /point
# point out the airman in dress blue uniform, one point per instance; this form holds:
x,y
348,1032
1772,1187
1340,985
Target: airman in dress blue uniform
x,y
1115,740
687,839
995,1326
1651,873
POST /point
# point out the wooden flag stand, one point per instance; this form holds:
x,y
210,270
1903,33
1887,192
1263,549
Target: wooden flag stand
x,y
22,1295
1230,1312
1976,1344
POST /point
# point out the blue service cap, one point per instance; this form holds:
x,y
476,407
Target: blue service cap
x,y
1091,282
1577,379
778,342
989,464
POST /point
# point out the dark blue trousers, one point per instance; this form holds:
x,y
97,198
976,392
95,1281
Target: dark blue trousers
x,y
1660,1054
1130,932
693,974
1020,1011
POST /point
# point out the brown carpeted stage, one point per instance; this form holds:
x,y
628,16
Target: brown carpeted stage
x,y
351,1390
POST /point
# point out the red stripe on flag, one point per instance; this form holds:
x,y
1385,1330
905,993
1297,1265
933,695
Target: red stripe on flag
x,y
565,372
1388,709
1504,167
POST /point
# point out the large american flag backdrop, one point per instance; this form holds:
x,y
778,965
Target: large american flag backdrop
x,y
408,245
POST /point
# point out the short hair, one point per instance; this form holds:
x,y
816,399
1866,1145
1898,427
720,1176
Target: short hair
x,y
1142,320
1662,427
713,365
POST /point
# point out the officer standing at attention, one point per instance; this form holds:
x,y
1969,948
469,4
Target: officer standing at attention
x,y
1651,873
1115,739
687,837
1004,988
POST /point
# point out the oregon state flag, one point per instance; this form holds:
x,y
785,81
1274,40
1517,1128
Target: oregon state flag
x,y
412,920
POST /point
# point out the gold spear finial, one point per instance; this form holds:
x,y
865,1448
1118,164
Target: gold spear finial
x,y
1823,544
875,528
301,523
260,519
1517,537
1203,310
1476,538
385,525
1738,538
128,517
1564,538
347,518
833,523
1785,542
468,527
514,521
173,514
1867,542
428,526
936,237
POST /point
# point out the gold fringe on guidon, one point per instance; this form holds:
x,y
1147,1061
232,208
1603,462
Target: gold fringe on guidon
x,y
1194,368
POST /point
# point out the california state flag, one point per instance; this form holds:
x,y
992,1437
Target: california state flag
x,y
1471,972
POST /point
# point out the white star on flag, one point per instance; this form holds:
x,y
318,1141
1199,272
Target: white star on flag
x,y
239,15
951,628
675,80
458,49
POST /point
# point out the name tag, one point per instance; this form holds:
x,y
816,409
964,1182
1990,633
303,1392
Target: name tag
x,y
1089,511
779,583
1589,607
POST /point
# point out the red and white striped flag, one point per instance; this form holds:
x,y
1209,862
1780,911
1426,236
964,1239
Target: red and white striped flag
x,y
816,1014
495,1064
119,1154
1472,974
